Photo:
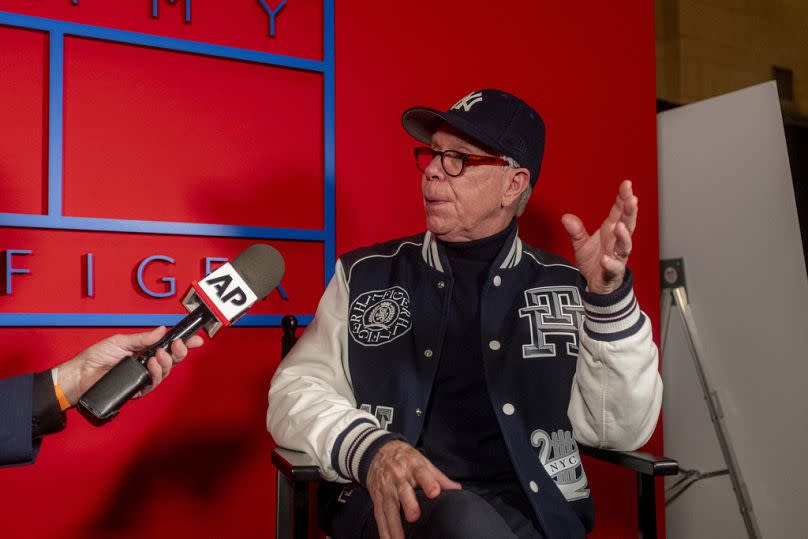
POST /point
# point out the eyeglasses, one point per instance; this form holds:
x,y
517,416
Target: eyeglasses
x,y
453,162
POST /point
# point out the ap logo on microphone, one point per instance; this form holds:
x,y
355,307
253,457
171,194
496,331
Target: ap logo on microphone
x,y
226,293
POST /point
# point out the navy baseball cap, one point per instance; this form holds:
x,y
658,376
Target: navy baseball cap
x,y
499,121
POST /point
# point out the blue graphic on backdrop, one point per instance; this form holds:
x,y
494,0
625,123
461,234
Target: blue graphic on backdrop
x,y
56,220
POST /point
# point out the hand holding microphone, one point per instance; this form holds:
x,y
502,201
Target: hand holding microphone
x,y
78,374
216,301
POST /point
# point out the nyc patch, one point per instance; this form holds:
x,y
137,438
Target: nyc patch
x,y
380,316
555,314
558,454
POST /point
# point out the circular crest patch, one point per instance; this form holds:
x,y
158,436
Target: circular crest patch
x,y
380,316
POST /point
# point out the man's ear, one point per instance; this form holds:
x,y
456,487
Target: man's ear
x,y
517,180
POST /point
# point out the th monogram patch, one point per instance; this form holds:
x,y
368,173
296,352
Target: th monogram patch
x,y
555,314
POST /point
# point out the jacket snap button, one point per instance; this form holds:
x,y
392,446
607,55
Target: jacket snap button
x,y
428,352
508,409
418,412
534,487
497,280
440,284
494,345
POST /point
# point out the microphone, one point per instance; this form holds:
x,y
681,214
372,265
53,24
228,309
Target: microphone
x,y
218,300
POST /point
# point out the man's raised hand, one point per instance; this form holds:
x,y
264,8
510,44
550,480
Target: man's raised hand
x,y
602,257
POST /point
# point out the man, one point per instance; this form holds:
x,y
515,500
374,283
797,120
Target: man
x,y
448,377
32,405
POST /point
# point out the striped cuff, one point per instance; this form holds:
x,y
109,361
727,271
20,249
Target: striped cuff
x,y
355,448
613,316
370,452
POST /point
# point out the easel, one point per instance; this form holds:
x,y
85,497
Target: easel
x,y
674,293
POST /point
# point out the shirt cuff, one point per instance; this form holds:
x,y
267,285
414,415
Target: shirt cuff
x,y
613,316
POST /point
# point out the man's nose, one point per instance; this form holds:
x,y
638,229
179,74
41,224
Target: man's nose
x,y
434,170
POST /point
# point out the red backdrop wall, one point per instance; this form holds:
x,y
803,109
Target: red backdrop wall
x,y
151,134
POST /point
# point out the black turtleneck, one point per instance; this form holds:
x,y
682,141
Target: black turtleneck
x,y
461,435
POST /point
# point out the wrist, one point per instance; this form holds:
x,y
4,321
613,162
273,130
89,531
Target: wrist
x,y
603,294
356,446
369,457
46,414
68,378
611,316
64,403
606,288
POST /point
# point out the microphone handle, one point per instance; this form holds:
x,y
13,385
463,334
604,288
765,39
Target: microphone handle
x,y
102,402
184,330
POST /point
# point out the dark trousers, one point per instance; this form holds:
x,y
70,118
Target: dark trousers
x,y
479,511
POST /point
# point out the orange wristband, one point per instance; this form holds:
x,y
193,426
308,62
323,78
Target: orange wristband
x,y
64,404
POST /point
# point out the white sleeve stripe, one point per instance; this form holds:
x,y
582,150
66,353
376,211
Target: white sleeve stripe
x,y
614,325
614,315
362,444
610,309
348,443
354,444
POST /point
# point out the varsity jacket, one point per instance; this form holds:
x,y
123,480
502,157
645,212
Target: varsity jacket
x,y
562,366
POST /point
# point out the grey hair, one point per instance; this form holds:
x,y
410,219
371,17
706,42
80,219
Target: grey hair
x,y
525,196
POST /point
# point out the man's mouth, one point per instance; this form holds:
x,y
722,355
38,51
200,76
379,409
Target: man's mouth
x,y
434,200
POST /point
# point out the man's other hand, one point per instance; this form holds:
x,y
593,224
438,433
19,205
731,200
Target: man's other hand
x,y
396,470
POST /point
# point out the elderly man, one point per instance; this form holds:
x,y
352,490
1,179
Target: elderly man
x,y
448,377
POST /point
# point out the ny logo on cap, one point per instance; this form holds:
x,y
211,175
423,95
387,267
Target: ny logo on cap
x,y
469,101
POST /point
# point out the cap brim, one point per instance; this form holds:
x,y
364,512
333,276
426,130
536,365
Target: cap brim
x,y
422,122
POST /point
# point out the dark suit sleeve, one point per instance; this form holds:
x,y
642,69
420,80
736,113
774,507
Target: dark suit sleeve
x,y
16,443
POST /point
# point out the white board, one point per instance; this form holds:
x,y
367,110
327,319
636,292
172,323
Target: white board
x,y
726,205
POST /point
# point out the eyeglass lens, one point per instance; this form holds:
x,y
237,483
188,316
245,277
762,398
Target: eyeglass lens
x,y
451,160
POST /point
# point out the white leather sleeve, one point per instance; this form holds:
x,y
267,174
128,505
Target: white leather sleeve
x,y
311,403
616,390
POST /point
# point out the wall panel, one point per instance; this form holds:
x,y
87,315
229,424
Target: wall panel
x,y
194,139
